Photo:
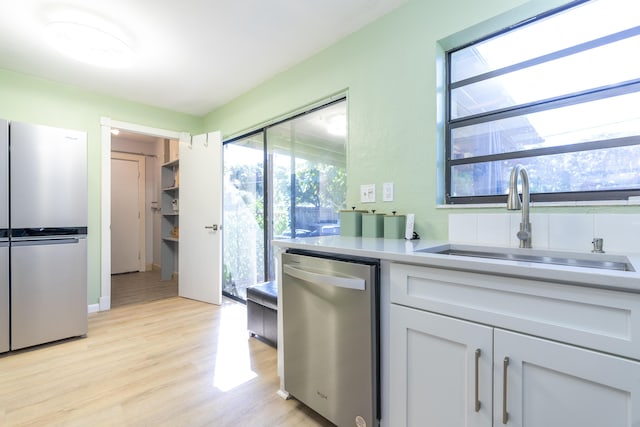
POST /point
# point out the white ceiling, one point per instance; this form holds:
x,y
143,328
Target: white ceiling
x,y
191,55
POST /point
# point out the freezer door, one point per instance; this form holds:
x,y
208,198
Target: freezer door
x,y
4,297
48,291
48,176
4,177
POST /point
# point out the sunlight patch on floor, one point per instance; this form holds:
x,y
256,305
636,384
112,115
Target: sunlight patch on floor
x,y
233,361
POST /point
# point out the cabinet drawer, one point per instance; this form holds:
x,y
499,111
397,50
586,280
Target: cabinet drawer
x,y
600,319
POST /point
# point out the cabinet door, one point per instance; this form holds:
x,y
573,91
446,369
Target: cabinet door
x,y
549,384
434,373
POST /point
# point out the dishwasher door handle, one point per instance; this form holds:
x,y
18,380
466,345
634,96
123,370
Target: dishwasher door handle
x,y
355,283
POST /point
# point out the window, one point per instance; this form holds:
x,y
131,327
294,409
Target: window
x,y
285,180
558,94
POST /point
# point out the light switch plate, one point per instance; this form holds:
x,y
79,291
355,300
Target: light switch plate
x,y
367,193
387,192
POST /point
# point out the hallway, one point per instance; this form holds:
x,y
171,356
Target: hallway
x,y
141,287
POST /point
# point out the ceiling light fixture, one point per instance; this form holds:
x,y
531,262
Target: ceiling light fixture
x,y
89,44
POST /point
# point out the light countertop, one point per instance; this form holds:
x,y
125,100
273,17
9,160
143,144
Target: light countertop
x,y
398,250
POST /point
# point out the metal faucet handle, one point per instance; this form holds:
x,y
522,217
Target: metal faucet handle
x,y
523,235
597,245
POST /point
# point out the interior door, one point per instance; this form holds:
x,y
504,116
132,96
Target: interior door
x,y
200,247
126,215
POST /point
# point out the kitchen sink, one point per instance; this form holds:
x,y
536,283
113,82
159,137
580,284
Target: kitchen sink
x,y
588,260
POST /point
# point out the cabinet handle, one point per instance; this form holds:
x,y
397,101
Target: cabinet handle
x,y
505,414
478,352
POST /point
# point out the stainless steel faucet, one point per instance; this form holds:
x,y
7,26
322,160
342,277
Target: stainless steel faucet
x,y
514,203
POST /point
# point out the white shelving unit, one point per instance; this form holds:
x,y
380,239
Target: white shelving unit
x,y
169,228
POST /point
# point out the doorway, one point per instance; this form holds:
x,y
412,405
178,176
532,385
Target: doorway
x,y
135,219
107,125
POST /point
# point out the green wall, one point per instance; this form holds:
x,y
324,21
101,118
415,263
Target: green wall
x,y
389,70
33,100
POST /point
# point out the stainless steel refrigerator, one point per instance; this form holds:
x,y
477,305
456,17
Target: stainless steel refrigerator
x,y
4,237
48,234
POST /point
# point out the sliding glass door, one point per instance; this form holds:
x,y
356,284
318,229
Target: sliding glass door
x,y
308,155
287,180
243,215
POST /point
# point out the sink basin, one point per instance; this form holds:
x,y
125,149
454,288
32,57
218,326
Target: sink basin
x,y
588,260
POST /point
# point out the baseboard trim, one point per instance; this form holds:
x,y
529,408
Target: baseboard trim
x,y
105,303
93,308
283,394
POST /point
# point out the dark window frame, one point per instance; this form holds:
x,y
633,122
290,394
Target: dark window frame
x,y
532,107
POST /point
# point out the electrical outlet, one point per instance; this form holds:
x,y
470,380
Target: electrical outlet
x,y
367,193
387,192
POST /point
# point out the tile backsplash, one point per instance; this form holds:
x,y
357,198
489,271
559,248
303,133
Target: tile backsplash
x,y
574,232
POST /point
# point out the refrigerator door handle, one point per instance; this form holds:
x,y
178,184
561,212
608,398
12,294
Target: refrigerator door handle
x,y
42,242
325,279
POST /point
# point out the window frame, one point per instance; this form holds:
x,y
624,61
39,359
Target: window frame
x,y
269,267
533,107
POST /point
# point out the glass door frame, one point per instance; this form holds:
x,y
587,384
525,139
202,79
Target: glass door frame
x,y
266,203
267,169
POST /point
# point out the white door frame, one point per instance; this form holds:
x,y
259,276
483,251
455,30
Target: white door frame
x,y
106,125
142,212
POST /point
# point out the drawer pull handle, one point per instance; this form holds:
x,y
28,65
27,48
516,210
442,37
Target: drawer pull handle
x,y
505,414
477,406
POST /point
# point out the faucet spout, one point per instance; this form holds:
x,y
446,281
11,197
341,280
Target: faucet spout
x,y
514,203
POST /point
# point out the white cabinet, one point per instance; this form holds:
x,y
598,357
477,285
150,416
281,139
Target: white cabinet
x,y
549,384
434,375
437,374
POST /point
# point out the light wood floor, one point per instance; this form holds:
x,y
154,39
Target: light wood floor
x,y
172,362
140,287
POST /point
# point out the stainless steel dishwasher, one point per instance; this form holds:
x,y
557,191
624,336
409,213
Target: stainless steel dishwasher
x,y
330,332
